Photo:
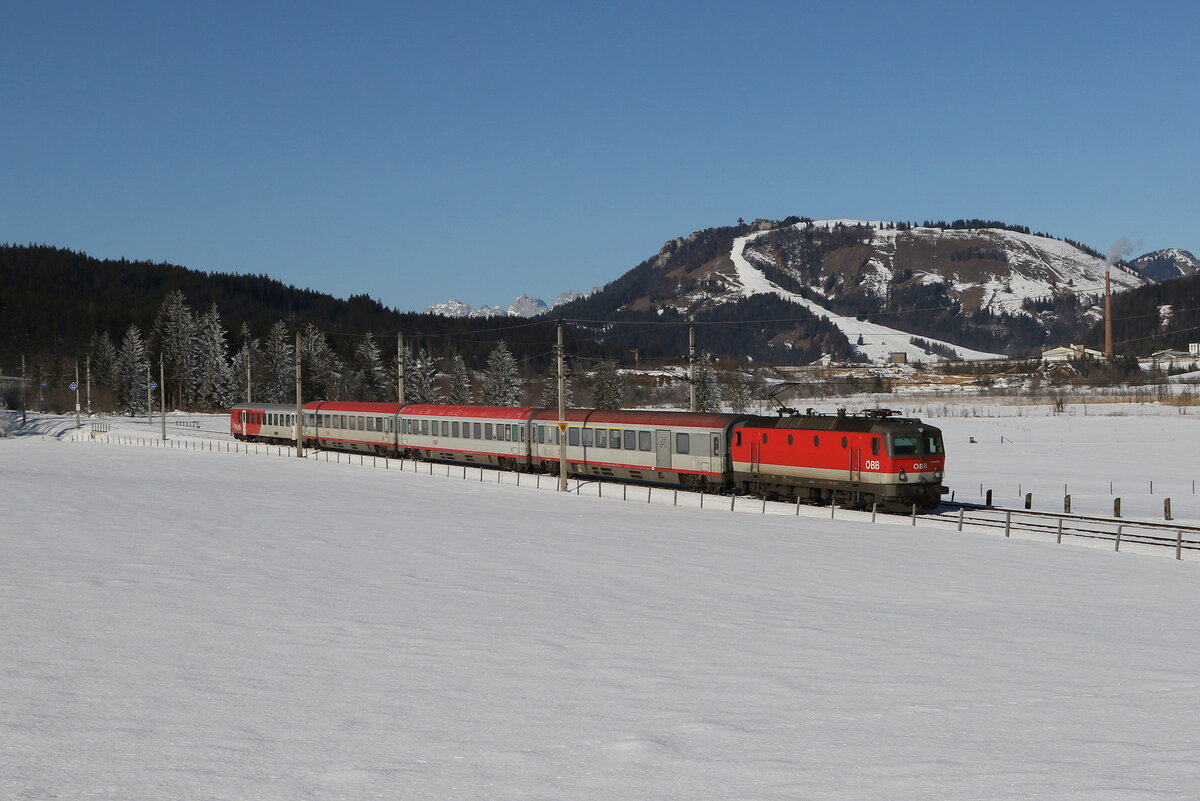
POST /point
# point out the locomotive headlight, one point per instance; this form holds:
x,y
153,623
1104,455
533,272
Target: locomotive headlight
x,y
937,474
903,476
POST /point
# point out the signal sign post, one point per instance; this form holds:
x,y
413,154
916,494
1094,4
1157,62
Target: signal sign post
x,y
75,389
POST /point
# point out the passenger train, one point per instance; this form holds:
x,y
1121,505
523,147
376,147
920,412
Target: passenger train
x,y
853,460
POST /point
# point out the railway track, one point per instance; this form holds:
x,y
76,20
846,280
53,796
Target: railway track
x,y
1119,531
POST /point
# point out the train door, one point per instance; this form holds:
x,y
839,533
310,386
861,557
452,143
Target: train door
x,y
662,446
855,464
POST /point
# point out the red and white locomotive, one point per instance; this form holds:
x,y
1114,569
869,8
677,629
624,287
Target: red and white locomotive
x,y
855,460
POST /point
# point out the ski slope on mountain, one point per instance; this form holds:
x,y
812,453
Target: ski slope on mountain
x,y
208,624
878,341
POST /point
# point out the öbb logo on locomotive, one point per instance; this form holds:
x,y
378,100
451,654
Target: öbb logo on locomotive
x,y
876,457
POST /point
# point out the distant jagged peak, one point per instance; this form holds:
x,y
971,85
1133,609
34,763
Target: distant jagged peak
x,y
1163,265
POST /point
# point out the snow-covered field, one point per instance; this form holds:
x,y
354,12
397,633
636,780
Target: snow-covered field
x,y
202,624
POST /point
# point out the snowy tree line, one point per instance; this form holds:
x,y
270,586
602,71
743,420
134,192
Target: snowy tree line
x,y
203,367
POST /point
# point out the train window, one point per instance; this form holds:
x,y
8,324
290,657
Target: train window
x,y
630,440
478,431
644,441
904,445
489,431
789,439
874,446
541,435
557,435
587,437
682,443
614,438
379,424
601,437
844,442
454,428
933,446
572,436
716,451
516,436
737,438
445,428
816,441
424,428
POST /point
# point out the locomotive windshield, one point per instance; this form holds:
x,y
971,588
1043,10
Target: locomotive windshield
x,y
914,445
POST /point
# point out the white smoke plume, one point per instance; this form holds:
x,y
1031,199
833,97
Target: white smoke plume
x,y
1121,249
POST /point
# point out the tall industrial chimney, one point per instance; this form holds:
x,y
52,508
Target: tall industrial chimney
x,y
1108,343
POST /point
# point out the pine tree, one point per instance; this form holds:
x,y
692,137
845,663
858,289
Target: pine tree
x,y
420,379
321,370
501,379
739,393
103,355
174,338
370,370
129,372
550,388
708,398
460,382
281,365
608,388
246,356
214,376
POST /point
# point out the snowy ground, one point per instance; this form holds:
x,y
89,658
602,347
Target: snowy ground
x,y
201,624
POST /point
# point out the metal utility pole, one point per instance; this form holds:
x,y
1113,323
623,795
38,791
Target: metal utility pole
x,y
562,410
249,399
1108,328
691,368
88,364
162,397
149,402
23,390
78,423
400,369
299,405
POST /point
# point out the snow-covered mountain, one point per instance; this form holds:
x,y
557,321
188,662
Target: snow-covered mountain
x,y
523,306
967,290
1163,265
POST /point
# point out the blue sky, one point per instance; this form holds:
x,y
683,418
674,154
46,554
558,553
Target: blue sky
x,y
421,151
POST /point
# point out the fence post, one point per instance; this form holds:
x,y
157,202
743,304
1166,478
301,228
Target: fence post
x,y
675,500
832,509
960,518
1029,500
797,506
648,491
1179,544
1066,504
988,502
1060,531
1166,508
914,516
764,508
1007,523
732,501
1120,529
1116,507
874,506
